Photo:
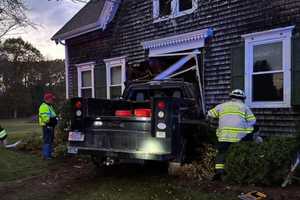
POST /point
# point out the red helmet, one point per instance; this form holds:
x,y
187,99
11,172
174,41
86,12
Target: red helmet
x,y
48,96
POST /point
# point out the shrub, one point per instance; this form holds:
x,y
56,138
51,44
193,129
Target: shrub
x,y
31,143
61,135
265,164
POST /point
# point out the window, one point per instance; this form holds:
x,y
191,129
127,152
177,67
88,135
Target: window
x,y
86,80
268,68
115,73
164,9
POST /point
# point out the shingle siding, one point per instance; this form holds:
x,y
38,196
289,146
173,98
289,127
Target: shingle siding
x,y
229,19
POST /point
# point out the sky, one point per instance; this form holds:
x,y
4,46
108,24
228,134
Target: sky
x,y
49,17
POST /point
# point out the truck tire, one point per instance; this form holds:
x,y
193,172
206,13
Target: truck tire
x,y
97,161
174,168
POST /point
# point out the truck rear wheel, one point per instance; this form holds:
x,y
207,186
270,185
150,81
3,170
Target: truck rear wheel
x,y
174,168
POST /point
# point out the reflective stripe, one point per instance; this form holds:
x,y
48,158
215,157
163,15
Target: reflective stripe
x,y
3,134
236,130
219,166
225,113
250,117
213,113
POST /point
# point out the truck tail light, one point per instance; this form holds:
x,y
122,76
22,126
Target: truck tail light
x,y
142,112
161,105
78,105
123,113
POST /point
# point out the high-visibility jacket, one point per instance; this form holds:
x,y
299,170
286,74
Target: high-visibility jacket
x,y
46,112
3,133
236,120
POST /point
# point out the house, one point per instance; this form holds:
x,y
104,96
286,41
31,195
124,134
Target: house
x,y
248,44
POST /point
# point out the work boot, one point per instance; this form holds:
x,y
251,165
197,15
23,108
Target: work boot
x,y
217,177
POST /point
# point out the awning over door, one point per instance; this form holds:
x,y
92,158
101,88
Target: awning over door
x,y
182,42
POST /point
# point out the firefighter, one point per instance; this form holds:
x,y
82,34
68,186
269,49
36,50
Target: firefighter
x,y
48,121
236,121
3,136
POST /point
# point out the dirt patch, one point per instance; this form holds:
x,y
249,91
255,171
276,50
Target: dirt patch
x,y
72,175
60,179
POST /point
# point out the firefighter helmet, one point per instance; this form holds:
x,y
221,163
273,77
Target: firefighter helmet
x,y
237,93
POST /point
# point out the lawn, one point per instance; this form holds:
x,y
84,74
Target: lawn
x,y
16,165
18,128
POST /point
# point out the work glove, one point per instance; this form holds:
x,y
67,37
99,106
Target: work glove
x,y
257,139
53,121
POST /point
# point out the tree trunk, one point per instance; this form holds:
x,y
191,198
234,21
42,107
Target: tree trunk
x,y
15,113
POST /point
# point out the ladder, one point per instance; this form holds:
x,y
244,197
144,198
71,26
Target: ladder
x,y
292,171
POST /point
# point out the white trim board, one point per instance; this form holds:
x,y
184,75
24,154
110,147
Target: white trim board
x,y
182,42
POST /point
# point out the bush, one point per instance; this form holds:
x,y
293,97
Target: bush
x,y
265,164
31,143
61,133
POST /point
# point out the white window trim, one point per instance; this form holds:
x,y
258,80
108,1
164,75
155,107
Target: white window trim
x,y
89,66
115,62
174,10
281,34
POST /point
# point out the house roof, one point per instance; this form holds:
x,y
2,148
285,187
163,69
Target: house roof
x,y
96,14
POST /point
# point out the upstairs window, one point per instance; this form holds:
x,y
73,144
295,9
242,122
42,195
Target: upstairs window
x,y
164,9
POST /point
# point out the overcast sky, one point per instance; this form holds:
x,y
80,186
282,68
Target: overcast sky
x,y
49,16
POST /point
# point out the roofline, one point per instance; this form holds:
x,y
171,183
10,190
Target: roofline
x,y
109,8
77,32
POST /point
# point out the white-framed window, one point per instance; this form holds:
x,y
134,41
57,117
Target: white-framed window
x,y
165,9
115,76
85,72
268,68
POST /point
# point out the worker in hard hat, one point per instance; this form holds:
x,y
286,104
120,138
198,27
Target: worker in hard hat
x,y
3,136
48,121
236,121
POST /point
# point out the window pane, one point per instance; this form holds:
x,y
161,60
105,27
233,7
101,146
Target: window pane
x,y
185,5
86,93
86,79
164,7
268,87
115,92
267,57
115,75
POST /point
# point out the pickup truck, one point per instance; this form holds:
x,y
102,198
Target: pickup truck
x,y
155,120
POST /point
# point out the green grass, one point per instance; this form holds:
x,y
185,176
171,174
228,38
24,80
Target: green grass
x,y
19,128
16,165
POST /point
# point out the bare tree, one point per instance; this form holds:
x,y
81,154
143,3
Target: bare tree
x,y
12,16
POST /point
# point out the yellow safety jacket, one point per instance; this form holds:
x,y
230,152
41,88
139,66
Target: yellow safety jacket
x,y
46,111
236,120
3,133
